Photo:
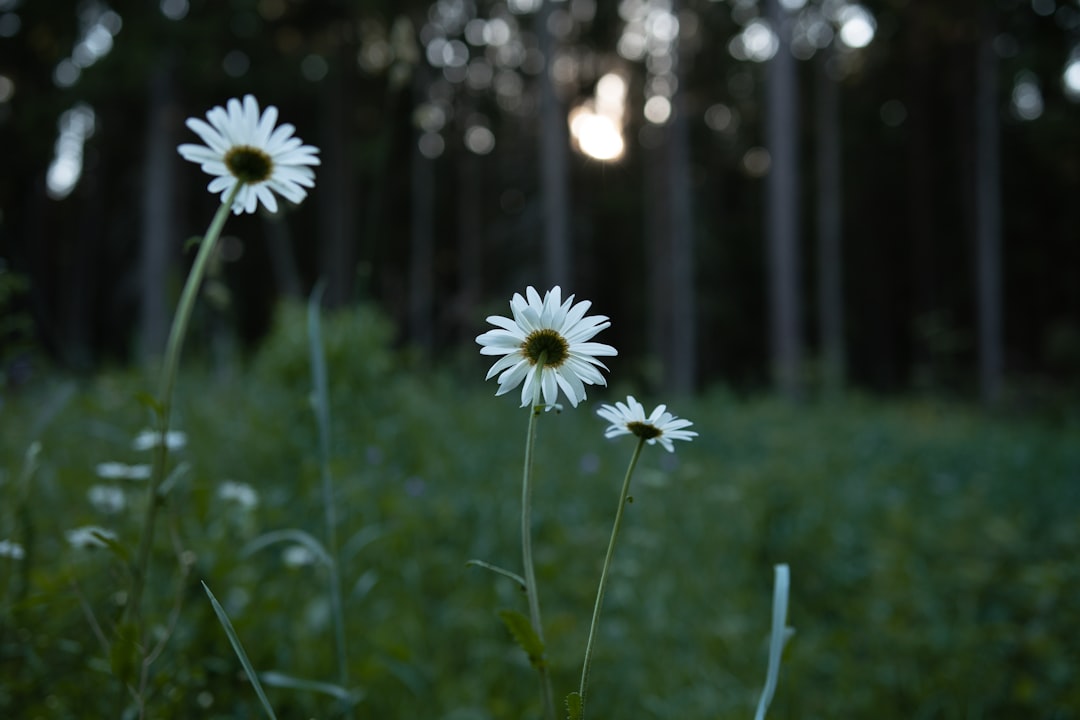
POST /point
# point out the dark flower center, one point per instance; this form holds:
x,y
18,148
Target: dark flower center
x,y
645,431
548,344
249,164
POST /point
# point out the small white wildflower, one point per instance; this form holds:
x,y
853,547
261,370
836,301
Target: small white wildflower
x,y
85,536
296,556
240,493
11,549
107,498
660,427
122,471
149,439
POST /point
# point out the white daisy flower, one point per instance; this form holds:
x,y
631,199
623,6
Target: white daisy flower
x,y
244,147
661,426
546,348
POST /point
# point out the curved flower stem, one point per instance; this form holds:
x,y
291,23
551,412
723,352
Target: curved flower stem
x,y
604,574
164,399
527,560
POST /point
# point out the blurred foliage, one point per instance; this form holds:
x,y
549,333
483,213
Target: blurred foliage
x,y
933,550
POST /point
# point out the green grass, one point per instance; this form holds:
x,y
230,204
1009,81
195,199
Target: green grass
x,y
933,550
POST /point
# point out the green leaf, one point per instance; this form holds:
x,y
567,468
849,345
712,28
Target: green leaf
x,y
290,535
573,706
123,653
172,479
277,679
497,570
150,402
238,648
117,549
523,632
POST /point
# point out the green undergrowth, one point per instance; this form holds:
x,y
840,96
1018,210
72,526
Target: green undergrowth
x,y
933,549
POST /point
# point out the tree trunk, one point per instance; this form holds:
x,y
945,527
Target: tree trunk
x,y
160,243
554,175
336,196
421,233
830,229
988,215
782,209
681,365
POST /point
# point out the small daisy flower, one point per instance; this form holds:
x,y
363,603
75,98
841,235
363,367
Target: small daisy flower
x,y
245,147
150,439
660,427
554,333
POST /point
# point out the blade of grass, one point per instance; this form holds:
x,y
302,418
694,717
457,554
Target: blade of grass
x,y
234,639
321,406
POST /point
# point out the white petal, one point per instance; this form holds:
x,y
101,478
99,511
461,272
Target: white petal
x,y
504,363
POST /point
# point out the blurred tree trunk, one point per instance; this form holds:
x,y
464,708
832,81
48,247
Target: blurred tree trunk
x,y
336,188
670,228
830,227
682,366
782,209
988,213
280,249
924,301
160,243
470,256
421,230
554,174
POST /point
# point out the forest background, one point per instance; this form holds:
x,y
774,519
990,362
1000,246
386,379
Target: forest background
x,y
804,193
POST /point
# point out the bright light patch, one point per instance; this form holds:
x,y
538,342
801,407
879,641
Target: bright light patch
x,y
596,125
657,110
524,6
7,88
76,125
757,42
1027,99
598,136
857,26
1071,78
479,140
174,9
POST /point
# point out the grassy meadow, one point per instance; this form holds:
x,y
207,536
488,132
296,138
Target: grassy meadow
x,y
933,549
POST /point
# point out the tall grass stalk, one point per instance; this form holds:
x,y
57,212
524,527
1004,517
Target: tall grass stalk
x,y
321,406
602,587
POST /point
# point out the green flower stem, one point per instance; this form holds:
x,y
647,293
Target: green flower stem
x,y
604,574
164,399
527,559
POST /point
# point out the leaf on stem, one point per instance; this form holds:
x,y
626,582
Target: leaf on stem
x,y
116,548
525,636
277,679
151,402
297,536
238,648
573,706
498,570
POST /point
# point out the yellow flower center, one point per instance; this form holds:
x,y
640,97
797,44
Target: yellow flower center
x,y
248,164
645,431
548,344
